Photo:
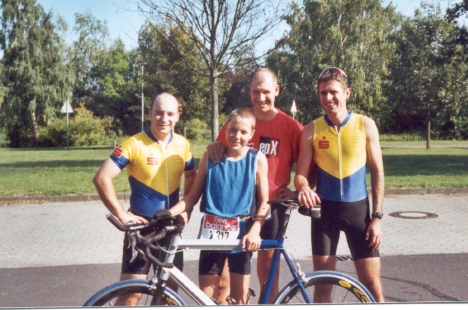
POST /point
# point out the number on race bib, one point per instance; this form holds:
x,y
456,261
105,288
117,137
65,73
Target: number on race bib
x,y
219,228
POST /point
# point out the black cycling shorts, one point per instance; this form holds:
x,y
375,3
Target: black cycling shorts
x,y
350,217
212,262
142,264
271,226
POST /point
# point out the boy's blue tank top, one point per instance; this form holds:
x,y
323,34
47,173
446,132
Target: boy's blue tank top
x,y
230,187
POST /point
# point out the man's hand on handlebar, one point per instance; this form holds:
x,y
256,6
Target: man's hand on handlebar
x,y
285,192
308,198
129,217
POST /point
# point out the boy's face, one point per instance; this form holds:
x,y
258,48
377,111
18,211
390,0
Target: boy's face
x,y
239,132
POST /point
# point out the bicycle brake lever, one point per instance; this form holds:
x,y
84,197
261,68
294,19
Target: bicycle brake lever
x,y
132,238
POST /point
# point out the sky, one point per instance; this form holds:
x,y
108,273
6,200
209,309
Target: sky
x,y
124,20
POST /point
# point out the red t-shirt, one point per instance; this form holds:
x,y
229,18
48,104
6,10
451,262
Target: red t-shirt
x,y
279,139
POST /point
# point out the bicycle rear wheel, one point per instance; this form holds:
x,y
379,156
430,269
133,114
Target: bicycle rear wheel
x,y
107,296
344,289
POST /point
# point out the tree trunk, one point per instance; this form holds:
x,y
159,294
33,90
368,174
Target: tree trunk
x,y
214,107
34,124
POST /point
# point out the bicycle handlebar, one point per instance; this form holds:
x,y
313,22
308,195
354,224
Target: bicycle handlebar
x,y
149,241
294,204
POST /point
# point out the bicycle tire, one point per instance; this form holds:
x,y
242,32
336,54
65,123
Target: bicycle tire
x,y
107,296
345,289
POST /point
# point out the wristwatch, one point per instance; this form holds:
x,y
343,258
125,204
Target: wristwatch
x,y
377,215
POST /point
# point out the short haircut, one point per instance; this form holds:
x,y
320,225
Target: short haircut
x,y
244,113
267,70
333,74
165,94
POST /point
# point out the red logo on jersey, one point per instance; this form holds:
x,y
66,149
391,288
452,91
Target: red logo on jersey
x,y
118,151
151,160
324,143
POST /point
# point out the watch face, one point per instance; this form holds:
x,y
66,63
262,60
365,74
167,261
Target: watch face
x,y
377,214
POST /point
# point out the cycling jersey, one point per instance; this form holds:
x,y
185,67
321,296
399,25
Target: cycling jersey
x,y
154,173
341,159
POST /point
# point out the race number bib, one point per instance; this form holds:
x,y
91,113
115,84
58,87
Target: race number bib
x,y
219,228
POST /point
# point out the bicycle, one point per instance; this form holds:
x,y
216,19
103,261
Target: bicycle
x,y
154,291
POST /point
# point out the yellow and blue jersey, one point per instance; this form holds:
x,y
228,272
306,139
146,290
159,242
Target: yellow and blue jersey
x,y
154,173
341,159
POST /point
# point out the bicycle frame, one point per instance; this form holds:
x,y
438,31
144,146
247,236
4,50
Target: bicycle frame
x,y
177,244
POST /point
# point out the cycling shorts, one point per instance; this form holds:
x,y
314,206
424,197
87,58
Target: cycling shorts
x,y
142,264
350,217
212,262
271,226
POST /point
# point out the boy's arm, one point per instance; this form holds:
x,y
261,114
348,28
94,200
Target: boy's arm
x,y
306,196
251,241
187,203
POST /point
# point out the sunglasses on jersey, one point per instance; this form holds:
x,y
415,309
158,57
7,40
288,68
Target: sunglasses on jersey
x,y
332,70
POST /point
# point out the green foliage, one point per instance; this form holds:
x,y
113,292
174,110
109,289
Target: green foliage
x,y
221,33
349,34
198,130
35,77
428,78
415,136
85,129
88,130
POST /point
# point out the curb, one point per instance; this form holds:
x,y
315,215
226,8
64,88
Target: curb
x,y
126,196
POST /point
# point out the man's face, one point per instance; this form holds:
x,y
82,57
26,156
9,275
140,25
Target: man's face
x,y
332,96
164,114
263,90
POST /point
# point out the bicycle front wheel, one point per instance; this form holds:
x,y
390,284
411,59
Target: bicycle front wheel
x,y
107,296
329,286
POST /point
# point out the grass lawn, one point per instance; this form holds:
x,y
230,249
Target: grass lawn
x,y
36,172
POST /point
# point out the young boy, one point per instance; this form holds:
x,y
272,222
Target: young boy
x,y
235,194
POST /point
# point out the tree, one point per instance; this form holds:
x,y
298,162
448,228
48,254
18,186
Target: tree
x,y
35,76
348,34
429,77
166,69
221,31
87,55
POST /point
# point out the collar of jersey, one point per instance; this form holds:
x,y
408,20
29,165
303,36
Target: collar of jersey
x,y
344,122
150,134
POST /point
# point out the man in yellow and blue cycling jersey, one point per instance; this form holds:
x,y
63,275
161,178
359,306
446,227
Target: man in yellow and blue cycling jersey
x,y
155,160
340,144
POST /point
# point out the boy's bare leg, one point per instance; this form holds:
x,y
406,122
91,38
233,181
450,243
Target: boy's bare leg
x,y
209,284
224,285
240,287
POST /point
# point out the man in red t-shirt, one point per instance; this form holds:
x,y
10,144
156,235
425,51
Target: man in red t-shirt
x,y
278,136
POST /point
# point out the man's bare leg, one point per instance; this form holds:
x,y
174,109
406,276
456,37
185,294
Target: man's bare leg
x,y
323,292
264,259
368,271
130,299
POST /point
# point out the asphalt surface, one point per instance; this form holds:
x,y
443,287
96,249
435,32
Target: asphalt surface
x,y
58,254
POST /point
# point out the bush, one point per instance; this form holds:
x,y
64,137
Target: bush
x,y
84,129
198,130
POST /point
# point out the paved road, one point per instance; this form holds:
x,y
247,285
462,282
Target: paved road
x,y
426,255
